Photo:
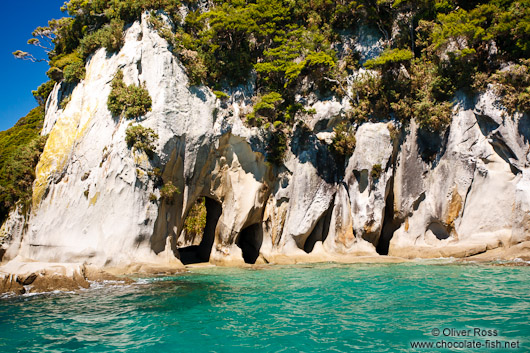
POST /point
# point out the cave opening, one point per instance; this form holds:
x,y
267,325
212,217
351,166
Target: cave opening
x,y
250,240
390,223
438,230
201,253
321,230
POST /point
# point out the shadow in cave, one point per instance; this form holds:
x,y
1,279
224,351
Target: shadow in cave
x,y
250,240
489,127
390,223
308,148
201,253
321,230
431,145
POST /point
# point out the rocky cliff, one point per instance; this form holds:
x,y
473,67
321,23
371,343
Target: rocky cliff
x,y
406,194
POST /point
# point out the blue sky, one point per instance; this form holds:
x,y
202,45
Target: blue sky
x,y
20,77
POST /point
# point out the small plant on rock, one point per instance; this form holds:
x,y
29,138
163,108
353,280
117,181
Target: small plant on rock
x,y
344,140
141,138
130,101
276,148
196,219
265,108
168,191
376,171
153,197
221,95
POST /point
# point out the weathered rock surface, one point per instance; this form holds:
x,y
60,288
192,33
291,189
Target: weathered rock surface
x,y
466,202
35,277
414,195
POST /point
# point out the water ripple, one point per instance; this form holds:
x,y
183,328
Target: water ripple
x,y
327,307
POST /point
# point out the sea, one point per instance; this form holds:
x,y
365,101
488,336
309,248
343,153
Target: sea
x,y
419,306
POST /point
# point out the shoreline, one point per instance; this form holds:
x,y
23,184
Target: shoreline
x,y
21,277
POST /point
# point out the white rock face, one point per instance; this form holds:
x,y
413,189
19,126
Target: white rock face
x,y
91,200
466,202
94,201
367,175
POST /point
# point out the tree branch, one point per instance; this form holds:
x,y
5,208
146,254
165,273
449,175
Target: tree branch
x,y
341,86
19,54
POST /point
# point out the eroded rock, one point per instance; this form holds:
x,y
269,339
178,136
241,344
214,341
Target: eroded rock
x,y
98,203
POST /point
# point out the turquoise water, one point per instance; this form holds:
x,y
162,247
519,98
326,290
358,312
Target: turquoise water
x,y
328,307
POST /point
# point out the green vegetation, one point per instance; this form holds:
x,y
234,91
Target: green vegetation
x,y
43,91
513,85
265,108
343,141
141,139
110,37
388,58
168,191
20,149
69,67
276,147
376,171
129,101
449,45
433,49
196,219
221,95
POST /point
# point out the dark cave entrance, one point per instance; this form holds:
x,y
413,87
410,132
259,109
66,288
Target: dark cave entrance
x,y
201,253
250,240
321,230
439,230
390,223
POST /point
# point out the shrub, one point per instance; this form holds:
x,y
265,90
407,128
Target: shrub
x,y
344,140
153,197
266,107
513,85
55,74
69,67
376,171
393,131
109,36
425,97
221,95
430,97
168,191
371,100
389,57
141,139
267,104
276,148
194,65
138,102
131,101
431,115
196,219
155,173
43,91
74,72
